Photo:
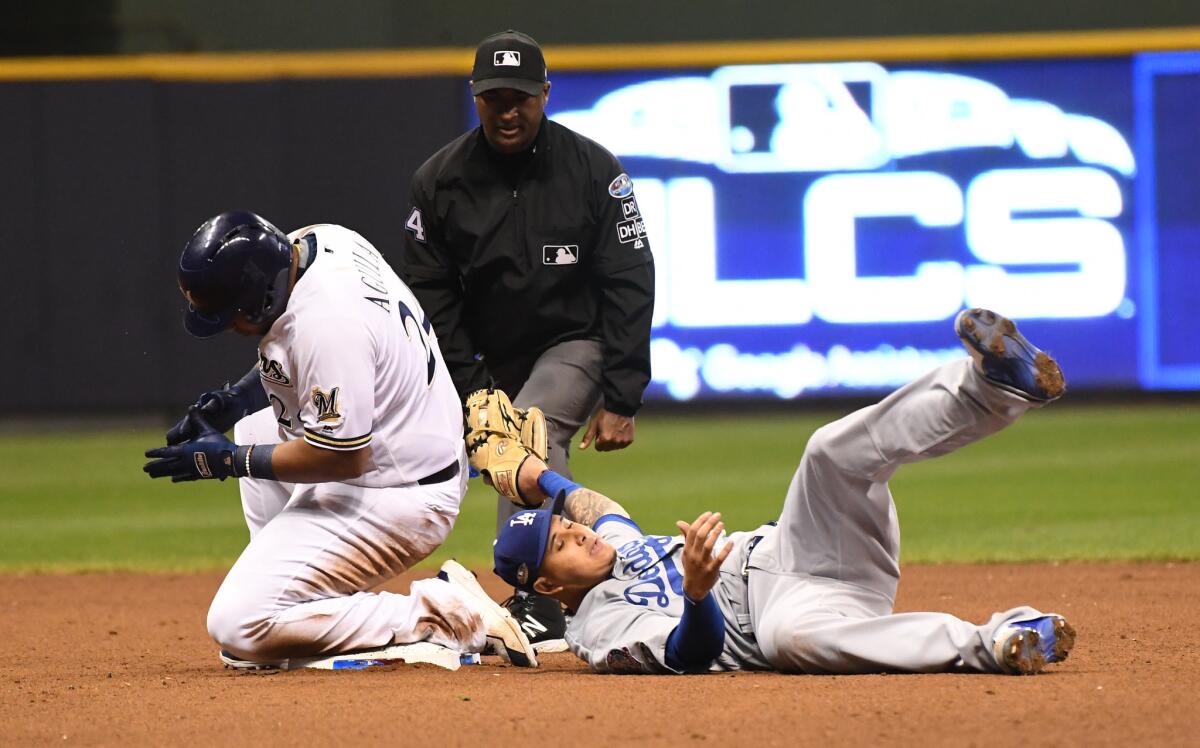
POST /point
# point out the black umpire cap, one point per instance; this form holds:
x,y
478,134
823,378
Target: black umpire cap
x,y
508,59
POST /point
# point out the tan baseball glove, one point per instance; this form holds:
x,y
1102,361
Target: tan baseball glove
x,y
500,438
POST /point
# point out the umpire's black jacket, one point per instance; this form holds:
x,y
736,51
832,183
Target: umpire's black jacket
x,y
509,256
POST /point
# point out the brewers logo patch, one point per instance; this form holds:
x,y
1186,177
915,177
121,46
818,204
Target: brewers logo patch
x,y
326,404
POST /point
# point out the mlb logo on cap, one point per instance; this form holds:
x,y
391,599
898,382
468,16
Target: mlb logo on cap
x,y
507,58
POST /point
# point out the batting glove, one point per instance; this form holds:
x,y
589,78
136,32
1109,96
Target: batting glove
x,y
224,407
207,455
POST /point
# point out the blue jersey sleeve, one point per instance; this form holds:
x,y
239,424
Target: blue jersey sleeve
x,y
699,636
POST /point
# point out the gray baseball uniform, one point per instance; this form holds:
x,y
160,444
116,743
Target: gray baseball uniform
x,y
815,593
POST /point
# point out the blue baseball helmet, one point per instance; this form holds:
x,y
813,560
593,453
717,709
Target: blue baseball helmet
x,y
520,546
235,262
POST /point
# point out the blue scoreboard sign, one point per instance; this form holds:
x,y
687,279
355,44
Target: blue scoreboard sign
x,y
816,227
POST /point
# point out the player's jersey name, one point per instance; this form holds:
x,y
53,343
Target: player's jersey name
x,y
352,363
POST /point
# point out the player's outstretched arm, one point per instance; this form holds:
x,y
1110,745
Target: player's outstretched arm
x,y
700,635
583,505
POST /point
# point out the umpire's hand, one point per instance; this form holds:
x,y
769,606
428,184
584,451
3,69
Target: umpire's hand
x,y
609,431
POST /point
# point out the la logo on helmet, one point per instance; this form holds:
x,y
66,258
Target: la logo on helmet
x,y
524,518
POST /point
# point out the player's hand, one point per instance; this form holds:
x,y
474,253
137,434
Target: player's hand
x,y
207,455
608,430
701,569
222,408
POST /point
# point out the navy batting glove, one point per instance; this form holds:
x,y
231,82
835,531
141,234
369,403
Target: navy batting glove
x,y
224,407
207,455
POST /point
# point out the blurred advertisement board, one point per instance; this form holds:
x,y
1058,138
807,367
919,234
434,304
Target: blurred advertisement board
x,y
816,227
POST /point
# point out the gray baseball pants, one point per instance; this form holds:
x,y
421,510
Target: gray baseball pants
x,y
565,383
822,586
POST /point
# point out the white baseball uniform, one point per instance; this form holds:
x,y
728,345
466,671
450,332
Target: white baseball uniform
x,y
813,594
351,363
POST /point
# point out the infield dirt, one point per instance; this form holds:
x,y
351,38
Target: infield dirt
x,y
106,659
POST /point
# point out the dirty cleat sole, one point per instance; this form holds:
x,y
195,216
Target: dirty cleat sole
x,y
1026,647
1006,358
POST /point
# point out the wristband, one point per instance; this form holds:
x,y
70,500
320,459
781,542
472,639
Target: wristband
x,y
254,461
552,483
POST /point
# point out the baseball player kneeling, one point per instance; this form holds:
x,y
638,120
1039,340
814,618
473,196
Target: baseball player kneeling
x,y
348,443
812,593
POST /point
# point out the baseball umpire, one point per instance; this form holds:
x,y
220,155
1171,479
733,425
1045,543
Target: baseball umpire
x,y
814,592
348,446
523,220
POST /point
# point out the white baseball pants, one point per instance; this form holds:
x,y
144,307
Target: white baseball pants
x,y
301,586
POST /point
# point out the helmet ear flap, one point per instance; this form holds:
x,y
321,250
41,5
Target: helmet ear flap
x,y
274,298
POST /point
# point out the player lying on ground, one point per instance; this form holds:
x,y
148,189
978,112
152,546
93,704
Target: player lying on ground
x,y
813,593
348,446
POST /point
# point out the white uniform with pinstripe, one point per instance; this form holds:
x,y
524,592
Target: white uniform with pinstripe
x,y
351,364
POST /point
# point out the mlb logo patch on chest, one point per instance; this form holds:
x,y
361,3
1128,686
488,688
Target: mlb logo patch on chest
x,y
560,254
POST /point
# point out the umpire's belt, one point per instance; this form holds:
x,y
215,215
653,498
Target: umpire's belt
x,y
440,476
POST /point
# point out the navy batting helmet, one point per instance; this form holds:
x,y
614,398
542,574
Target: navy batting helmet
x,y
235,262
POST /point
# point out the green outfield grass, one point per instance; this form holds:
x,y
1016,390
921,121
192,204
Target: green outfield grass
x,y
1065,483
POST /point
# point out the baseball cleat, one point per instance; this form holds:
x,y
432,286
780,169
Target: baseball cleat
x,y
504,634
541,618
237,663
1006,358
1025,647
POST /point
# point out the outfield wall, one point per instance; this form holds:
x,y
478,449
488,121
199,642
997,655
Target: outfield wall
x,y
140,26
106,179
112,162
